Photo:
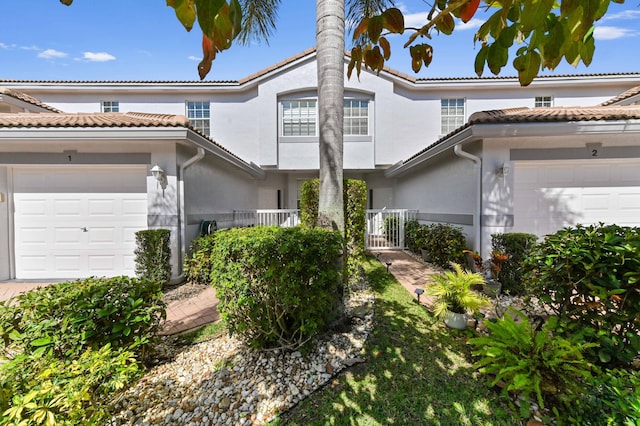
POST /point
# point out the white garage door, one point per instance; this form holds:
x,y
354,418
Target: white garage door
x,y
553,194
77,222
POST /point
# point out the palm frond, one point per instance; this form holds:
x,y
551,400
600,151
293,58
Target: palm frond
x,y
258,20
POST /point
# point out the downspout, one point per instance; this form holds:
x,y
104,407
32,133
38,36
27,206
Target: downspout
x,y
457,149
182,219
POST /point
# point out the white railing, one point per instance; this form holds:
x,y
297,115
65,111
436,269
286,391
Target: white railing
x,y
285,218
385,228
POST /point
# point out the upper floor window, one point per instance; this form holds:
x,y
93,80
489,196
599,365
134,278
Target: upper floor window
x,y
356,117
299,118
451,114
110,106
543,102
199,115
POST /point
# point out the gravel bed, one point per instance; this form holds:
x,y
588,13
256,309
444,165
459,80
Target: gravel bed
x,y
223,382
182,291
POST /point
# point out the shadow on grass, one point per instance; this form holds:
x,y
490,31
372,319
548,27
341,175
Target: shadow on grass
x,y
417,373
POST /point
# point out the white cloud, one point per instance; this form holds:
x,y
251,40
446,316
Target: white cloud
x,y
473,24
98,56
193,58
52,54
612,33
626,14
3,46
32,47
415,20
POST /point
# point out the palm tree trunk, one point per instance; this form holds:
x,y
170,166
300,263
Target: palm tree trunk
x,y
330,63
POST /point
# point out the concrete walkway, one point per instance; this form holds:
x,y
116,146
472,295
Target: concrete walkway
x,y
188,314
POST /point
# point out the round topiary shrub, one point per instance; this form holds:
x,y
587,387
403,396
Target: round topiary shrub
x,y
278,287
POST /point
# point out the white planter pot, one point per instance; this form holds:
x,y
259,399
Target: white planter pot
x,y
456,321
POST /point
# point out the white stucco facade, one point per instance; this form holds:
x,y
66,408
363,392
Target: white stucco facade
x,y
248,161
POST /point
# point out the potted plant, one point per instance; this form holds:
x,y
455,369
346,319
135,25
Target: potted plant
x,y
454,297
493,287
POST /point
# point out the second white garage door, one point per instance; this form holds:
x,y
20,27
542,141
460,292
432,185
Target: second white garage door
x,y
77,222
550,195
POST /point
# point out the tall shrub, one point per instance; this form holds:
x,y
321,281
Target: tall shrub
x,y
445,244
197,266
355,202
278,287
516,245
153,255
590,277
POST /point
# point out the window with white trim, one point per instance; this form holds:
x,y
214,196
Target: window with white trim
x,y
199,115
356,117
299,117
110,106
452,114
543,102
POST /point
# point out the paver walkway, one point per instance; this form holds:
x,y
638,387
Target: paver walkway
x,y
182,315
201,309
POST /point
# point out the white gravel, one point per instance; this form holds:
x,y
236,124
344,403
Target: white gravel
x,y
223,382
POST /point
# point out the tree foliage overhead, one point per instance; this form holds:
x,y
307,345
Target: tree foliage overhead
x,y
546,31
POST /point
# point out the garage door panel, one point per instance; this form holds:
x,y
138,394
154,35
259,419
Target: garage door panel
x,y
584,193
75,223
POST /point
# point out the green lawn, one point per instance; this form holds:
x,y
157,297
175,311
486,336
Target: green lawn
x,y
418,372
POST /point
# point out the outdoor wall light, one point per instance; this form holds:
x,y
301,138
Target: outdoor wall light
x,y
504,170
159,175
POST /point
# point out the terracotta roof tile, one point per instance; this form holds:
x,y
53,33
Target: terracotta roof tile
x,y
528,115
26,98
107,119
622,96
542,115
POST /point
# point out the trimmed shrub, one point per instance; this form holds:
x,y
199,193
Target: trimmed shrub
x,y
153,255
412,230
445,244
278,287
532,363
197,267
590,277
355,203
517,246
66,319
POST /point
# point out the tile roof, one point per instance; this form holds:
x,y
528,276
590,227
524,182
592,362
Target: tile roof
x,y
622,96
530,115
541,115
26,98
105,119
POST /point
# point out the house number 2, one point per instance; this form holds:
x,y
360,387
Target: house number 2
x,y
594,152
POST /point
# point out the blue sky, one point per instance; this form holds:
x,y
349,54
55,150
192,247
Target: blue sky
x,y
142,40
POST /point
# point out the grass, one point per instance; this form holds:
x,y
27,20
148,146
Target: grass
x,y
418,372
209,331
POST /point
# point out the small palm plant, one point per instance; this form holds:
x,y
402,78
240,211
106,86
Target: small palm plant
x,y
452,292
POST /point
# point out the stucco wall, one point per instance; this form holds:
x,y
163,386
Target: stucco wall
x,y
444,191
4,225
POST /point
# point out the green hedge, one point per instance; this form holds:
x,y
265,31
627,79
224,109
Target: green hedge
x,y
517,246
66,319
278,287
72,345
355,204
153,255
445,243
590,277
197,267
